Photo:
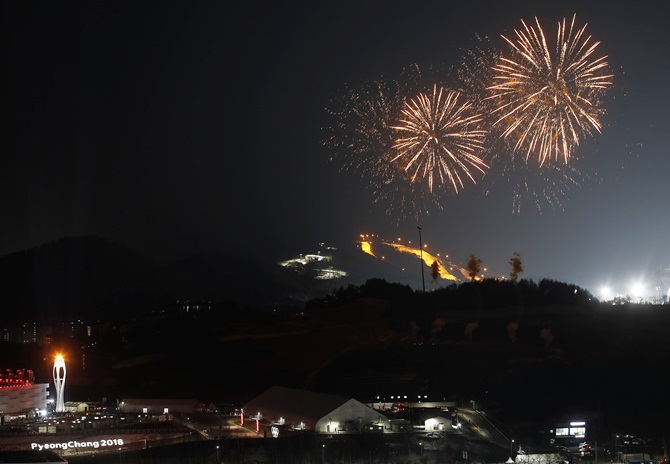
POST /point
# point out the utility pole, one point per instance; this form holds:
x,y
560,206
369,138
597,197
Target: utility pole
x,y
423,282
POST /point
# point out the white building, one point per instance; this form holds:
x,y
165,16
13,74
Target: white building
x,y
76,406
438,423
307,410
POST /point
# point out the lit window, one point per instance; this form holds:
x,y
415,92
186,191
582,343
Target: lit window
x,y
578,431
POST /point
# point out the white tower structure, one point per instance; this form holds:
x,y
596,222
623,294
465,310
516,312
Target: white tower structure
x,y
59,382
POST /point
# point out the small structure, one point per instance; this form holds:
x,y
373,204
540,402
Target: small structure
x,y
158,406
569,434
76,406
549,458
437,423
401,425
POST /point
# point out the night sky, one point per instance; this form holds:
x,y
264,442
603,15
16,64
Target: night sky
x,y
177,127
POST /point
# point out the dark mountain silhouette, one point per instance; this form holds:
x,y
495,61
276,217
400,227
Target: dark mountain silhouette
x,y
530,350
95,278
73,276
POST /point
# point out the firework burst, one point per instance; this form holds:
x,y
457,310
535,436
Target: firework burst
x,y
530,185
361,132
547,100
439,139
361,140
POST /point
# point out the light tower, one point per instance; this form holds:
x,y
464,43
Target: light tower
x,y
59,382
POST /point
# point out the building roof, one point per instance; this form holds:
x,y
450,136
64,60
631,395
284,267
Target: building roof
x,y
160,401
294,405
444,418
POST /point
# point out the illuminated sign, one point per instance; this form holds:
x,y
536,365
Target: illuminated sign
x,y
577,429
72,444
275,432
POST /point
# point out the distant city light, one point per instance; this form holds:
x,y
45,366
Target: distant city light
x,y
637,289
606,293
653,290
309,263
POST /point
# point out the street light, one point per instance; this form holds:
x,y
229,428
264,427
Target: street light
x,y
616,447
511,443
423,282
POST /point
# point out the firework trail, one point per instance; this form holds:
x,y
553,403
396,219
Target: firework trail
x,y
547,100
540,187
474,74
439,139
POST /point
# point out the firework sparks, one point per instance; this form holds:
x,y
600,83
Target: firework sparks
x,y
361,134
530,185
541,187
548,100
439,139
362,140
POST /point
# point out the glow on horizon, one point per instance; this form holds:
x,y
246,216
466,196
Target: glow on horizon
x,y
606,293
637,289
640,290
